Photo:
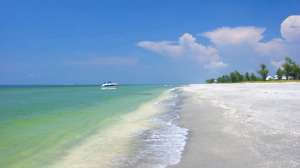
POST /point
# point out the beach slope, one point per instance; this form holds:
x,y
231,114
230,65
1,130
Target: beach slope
x,y
241,125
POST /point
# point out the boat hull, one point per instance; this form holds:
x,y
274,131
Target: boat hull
x,y
109,85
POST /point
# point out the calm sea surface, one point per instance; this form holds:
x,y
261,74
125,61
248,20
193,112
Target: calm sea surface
x,y
88,126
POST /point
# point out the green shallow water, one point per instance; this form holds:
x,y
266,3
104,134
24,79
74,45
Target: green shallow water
x,y
37,121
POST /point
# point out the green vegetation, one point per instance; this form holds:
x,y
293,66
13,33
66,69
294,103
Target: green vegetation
x,y
287,66
279,73
253,77
289,69
263,71
247,77
234,77
295,70
210,80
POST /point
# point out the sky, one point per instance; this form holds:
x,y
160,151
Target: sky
x,y
143,42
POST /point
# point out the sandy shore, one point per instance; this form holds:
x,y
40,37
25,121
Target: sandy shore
x,y
241,125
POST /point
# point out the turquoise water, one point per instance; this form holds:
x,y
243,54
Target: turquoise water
x,y
47,125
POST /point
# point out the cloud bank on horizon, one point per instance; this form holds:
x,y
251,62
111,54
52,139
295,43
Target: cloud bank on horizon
x,y
227,39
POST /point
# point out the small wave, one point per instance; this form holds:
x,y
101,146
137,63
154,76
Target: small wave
x,y
172,90
162,144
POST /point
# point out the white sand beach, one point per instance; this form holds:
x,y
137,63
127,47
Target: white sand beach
x,y
241,125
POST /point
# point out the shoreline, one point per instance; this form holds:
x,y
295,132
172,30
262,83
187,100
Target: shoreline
x,y
241,125
75,126
134,140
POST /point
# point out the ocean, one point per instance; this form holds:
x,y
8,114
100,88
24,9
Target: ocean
x,y
89,126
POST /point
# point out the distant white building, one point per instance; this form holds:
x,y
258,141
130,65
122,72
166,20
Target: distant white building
x,y
284,77
269,78
275,77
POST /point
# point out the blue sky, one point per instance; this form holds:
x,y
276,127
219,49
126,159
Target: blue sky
x,y
143,42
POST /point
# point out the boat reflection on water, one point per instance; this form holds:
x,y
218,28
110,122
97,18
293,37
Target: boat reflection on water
x,y
107,88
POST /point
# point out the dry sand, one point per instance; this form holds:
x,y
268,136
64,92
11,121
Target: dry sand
x,y
241,125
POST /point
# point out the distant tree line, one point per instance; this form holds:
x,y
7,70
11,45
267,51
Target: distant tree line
x,y
289,69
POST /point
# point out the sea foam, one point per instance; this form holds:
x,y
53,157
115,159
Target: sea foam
x,y
162,144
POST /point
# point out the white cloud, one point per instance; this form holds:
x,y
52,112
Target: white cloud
x,y
163,47
104,61
290,28
248,39
235,36
186,47
31,75
215,65
232,41
278,40
271,48
277,64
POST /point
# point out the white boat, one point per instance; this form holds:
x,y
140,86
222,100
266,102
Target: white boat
x,y
108,84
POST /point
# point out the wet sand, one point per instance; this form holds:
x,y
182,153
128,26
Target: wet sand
x,y
241,125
